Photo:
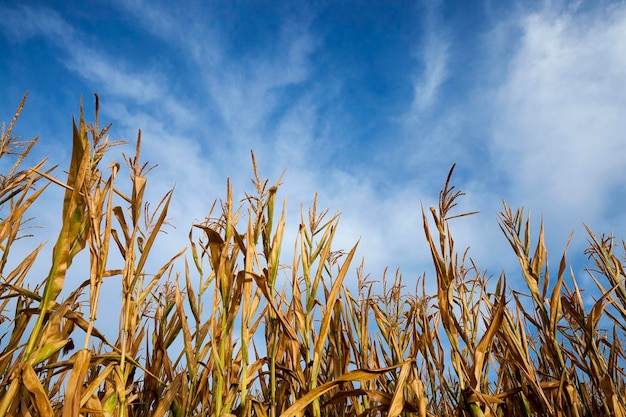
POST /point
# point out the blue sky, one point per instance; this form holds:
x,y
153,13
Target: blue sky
x,y
367,103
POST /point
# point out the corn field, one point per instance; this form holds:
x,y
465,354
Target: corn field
x,y
227,327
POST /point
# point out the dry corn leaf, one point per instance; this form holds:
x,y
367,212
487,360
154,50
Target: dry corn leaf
x,y
73,393
297,408
37,391
397,403
166,400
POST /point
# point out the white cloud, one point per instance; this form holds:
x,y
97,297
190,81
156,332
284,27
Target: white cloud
x,y
559,133
246,92
24,23
433,57
426,87
99,69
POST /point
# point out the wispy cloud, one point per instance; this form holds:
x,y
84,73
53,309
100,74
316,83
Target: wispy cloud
x,y
433,57
24,22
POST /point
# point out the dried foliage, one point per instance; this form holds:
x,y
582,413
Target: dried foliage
x,y
229,330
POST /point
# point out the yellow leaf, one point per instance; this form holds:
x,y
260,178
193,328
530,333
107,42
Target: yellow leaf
x,y
32,384
298,407
71,406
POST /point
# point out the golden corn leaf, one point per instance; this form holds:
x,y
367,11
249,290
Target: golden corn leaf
x,y
168,396
33,385
360,375
72,401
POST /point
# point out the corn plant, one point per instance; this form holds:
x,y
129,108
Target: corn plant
x,y
228,327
